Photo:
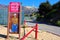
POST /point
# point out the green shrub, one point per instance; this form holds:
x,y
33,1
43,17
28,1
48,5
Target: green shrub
x,y
58,22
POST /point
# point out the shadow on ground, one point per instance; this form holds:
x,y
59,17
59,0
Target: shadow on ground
x,y
43,23
3,36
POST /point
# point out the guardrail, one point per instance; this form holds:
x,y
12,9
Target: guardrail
x,y
34,28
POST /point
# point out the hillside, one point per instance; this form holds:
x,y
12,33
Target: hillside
x,y
25,9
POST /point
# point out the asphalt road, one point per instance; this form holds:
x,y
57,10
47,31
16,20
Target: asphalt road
x,y
49,28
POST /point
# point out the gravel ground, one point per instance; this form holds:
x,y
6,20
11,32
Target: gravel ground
x,y
42,35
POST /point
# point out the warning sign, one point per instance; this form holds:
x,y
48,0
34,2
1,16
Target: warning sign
x,y
14,7
14,19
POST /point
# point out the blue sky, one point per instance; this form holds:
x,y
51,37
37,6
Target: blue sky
x,y
36,3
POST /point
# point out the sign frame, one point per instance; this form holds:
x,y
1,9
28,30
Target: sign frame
x,y
20,10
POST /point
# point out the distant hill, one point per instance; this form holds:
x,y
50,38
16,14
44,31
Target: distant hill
x,y
3,6
25,9
29,10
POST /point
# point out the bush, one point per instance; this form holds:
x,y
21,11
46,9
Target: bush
x,y
25,15
58,22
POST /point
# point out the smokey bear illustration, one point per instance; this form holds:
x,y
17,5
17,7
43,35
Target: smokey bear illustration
x,y
14,23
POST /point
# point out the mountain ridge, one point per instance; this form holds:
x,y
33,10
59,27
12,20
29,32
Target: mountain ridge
x,y
25,9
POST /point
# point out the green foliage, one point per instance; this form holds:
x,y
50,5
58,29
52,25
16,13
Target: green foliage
x,y
26,15
58,22
49,13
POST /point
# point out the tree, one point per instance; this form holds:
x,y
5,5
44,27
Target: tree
x,y
43,10
49,13
54,15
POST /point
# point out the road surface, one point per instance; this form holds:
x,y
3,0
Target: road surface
x,y
49,28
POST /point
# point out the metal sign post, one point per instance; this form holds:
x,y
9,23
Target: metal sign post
x,y
14,18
